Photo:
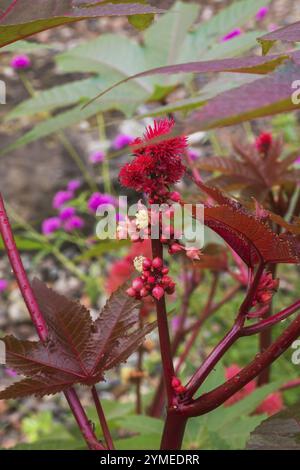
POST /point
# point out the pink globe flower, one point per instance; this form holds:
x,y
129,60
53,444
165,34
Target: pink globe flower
x,y
66,213
10,372
233,34
51,225
261,14
271,405
193,154
20,62
98,199
73,185
96,157
3,285
60,198
74,223
121,141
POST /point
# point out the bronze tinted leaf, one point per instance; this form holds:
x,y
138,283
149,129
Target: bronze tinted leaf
x,y
78,350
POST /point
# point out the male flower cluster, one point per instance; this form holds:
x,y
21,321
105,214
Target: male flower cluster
x,y
266,288
157,163
153,281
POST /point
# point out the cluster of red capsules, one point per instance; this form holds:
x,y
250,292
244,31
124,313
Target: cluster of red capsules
x,y
153,281
177,386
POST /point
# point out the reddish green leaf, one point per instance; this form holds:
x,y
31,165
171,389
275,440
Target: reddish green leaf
x,y
78,350
290,33
248,235
253,64
20,18
263,97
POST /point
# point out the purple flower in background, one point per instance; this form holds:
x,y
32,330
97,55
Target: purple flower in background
x,y
175,323
10,372
96,157
73,185
74,223
3,285
193,154
262,12
233,34
20,62
297,160
121,141
60,198
98,199
50,225
66,213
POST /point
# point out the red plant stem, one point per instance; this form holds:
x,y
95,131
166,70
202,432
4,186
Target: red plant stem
x,y
206,367
82,420
8,9
102,419
173,431
156,407
139,379
270,321
197,328
265,339
200,375
163,331
289,385
20,274
38,320
218,396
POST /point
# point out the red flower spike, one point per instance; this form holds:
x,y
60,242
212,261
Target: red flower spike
x,y
263,142
157,162
131,292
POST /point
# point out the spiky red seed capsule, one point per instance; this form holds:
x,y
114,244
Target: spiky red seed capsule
x,y
137,284
157,263
131,292
166,280
180,389
170,289
158,292
151,279
165,271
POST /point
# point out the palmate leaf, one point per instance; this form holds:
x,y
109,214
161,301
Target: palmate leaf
x,y
247,234
18,20
249,171
78,350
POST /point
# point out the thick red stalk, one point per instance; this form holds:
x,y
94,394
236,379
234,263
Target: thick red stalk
x,y
218,396
38,320
206,367
173,431
163,331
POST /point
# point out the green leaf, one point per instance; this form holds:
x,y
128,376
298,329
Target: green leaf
x,y
164,39
26,46
26,244
142,424
144,442
52,444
